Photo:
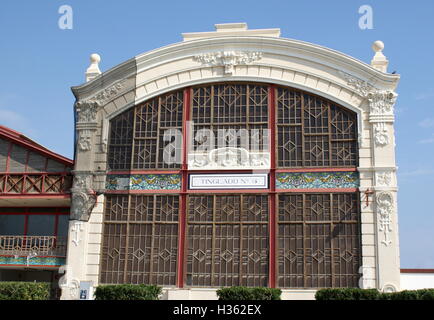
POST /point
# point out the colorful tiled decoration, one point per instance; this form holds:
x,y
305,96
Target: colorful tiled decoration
x,y
35,261
144,182
317,180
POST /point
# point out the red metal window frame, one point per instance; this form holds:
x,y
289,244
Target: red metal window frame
x,y
26,215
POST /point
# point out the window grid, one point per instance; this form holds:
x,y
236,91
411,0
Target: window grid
x,y
140,239
319,241
227,240
313,132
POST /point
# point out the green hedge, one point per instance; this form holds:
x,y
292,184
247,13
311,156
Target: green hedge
x,y
24,291
423,294
127,292
347,294
372,294
245,293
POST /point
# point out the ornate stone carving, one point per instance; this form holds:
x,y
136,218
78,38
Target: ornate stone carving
x,y
228,59
229,158
362,87
381,102
86,111
107,94
84,140
385,208
388,287
76,229
381,134
82,181
367,281
69,286
383,179
81,205
83,198
73,286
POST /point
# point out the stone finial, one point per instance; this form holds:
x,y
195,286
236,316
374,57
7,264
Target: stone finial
x,y
379,61
93,70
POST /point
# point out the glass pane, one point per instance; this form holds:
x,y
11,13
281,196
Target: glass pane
x,y
41,225
62,228
12,225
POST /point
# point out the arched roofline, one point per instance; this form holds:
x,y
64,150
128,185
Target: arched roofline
x,y
286,48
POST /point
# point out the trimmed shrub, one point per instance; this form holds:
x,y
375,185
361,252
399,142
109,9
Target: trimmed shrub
x,y
405,295
24,291
422,294
246,293
372,294
127,292
385,295
426,294
347,294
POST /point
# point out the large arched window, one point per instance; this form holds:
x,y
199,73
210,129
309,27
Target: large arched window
x,y
302,230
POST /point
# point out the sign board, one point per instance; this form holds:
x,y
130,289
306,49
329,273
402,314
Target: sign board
x,y
228,181
86,290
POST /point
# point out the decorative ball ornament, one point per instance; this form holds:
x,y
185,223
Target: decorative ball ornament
x,y
378,46
95,58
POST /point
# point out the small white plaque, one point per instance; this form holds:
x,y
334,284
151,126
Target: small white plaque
x,y
228,181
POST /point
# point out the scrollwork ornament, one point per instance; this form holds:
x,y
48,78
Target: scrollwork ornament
x,y
86,111
85,140
363,88
384,179
389,288
381,134
381,102
107,94
385,208
82,181
228,59
81,205
74,285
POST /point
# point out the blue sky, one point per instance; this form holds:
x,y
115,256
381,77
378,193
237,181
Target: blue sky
x,y
39,63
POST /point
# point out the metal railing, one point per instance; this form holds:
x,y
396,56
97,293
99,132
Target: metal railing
x,y
28,183
33,245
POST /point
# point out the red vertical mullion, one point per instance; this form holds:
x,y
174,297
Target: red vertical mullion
x,y
184,182
272,195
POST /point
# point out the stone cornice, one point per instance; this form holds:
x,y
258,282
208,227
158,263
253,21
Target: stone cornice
x,y
104,81
272,46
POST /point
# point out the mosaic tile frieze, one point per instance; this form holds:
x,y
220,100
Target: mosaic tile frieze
x,y
144,182
35,261
317,180
284,180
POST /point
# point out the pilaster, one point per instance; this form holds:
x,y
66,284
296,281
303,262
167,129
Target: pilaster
x,y
381,119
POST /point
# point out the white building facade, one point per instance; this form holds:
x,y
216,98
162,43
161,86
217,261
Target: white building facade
x,y
314,208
